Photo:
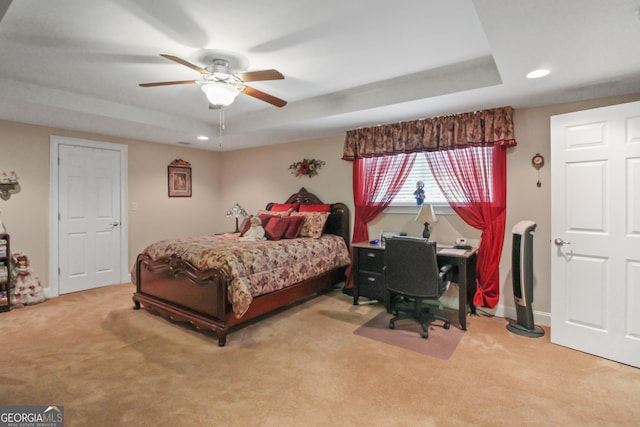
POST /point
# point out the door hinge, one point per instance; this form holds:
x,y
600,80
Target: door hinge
x,y
59,271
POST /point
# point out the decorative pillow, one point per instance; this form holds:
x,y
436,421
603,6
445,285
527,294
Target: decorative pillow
x,y
246,225
275,228
266,217
323,207
278,213
283,207
313,224
294,226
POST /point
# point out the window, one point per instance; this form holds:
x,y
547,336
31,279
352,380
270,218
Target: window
x,y
421,172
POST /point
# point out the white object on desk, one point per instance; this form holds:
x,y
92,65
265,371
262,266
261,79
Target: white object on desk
x,y
451,251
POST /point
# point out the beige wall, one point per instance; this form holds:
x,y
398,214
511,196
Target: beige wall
x,y
253,177
25,149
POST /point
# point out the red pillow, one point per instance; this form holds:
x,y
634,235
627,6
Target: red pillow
x,y
283,207
265,219
323,207
275,228
246,225
294,226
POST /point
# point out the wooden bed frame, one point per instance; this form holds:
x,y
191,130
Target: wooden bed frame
x,y
179,291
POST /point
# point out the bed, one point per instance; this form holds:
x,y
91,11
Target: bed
x,y
190,280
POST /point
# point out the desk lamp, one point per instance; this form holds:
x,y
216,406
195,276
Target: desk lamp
x,y
237,211
425,216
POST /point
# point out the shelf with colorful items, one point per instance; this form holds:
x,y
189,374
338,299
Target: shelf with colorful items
x,y
5,279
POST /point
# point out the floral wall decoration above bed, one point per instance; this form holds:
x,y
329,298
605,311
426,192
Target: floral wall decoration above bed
x,y
306,167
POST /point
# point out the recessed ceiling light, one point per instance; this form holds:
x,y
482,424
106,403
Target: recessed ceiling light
x,y
203,138
536,74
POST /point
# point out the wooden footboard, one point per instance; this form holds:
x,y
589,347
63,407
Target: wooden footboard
x,y
178,291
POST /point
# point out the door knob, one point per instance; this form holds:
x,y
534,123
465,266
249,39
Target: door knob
x,y
113,225
560,242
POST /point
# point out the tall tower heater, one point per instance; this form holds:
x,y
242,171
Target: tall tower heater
x,y
522,268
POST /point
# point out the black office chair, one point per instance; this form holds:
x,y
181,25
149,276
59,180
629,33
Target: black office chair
x,y
411,276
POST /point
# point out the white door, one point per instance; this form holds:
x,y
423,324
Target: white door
x,y
595,232
89,218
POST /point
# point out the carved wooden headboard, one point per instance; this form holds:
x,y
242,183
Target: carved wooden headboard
x,y
338,221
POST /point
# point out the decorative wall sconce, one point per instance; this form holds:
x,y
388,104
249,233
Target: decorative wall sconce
x,y
9,185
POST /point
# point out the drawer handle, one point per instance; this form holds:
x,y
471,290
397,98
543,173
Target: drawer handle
x,y
371,255
371,279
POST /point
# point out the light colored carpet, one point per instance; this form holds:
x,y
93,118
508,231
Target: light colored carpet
x,y
110,365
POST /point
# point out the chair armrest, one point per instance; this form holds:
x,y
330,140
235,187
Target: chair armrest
x,y
444,278
445,269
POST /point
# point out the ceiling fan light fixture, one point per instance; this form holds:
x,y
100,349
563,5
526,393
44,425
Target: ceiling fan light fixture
x,y
221,86
220,94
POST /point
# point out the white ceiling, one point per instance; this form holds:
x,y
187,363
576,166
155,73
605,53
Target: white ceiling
x,y
76,64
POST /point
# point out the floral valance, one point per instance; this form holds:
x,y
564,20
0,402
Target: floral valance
x,y
486,127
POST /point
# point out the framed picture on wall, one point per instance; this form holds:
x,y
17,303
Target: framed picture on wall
x,y
180,179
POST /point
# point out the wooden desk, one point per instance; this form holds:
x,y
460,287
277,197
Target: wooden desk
x,y
368,263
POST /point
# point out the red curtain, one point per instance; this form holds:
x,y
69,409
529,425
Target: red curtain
x,y
477,128
376,181
449,143
474,181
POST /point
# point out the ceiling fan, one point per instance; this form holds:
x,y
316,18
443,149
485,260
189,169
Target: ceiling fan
x,y
221,86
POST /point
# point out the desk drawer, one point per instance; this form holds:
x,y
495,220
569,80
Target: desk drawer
x,y
371,260
371,285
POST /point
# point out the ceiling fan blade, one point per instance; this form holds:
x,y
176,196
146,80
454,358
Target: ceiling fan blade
x,y
185,63
264,96
179,82
254,76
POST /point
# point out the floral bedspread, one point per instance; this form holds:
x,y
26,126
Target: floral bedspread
x,y
257,267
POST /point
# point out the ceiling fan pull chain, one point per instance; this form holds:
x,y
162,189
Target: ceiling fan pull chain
x,y
220,125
